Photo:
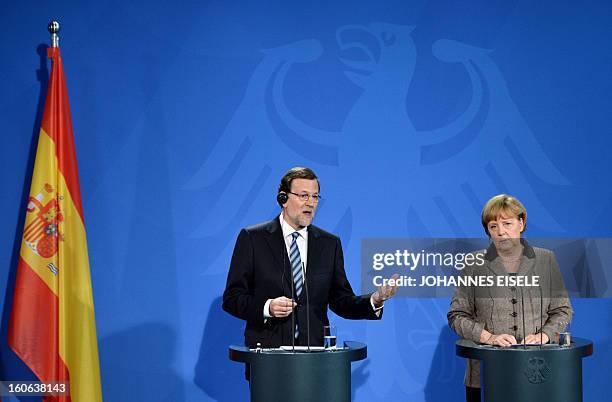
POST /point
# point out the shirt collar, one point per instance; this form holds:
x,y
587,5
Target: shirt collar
x,y
287,229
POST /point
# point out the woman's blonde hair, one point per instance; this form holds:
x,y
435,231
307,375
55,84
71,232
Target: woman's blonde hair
x,y
503,205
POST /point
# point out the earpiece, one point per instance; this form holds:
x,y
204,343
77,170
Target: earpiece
x,y
282,198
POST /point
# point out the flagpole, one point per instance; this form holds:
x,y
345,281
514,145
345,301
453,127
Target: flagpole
x,y
52,326
54,28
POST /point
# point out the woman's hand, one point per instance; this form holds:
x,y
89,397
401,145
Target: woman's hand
x,y
503,340
535,338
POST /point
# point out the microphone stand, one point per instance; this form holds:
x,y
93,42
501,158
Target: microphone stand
x,y
283,288
292,295
307,305
541,317
292,316
523,316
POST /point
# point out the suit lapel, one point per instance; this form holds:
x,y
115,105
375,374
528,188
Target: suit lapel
x,y
528,262
498,267
314,251
527,266
279,251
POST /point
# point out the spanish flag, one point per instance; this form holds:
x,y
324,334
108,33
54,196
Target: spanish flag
x,y
52,326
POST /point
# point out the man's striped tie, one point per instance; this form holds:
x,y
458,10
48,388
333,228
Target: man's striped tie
x,y
296,269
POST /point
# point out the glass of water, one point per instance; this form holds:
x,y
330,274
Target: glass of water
x,y
565,339
565,336
329,337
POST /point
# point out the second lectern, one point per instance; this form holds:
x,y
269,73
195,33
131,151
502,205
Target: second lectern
x,y
550,373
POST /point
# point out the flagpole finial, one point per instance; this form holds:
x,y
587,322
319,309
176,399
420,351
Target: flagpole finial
x,y
54,28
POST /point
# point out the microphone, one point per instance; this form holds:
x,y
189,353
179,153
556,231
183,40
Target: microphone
x,y
541,317
292,295
307,305
292,311
523,316
283,285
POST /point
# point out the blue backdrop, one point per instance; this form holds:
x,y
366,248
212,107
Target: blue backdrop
x,y
413,113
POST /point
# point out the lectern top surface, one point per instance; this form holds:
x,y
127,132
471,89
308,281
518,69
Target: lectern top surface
x,y
351,351
576,342
465,348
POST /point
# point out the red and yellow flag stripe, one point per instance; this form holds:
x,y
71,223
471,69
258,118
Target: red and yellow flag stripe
x,y
52,326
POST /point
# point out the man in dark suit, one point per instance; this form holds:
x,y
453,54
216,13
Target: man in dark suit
x,y
289,266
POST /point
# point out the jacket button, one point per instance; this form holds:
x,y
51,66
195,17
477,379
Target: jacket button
x,y
514,301
515,328
513,314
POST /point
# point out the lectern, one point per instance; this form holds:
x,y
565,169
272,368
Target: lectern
x,y
300,376
550,373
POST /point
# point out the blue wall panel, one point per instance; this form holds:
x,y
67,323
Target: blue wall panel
x,y
413,113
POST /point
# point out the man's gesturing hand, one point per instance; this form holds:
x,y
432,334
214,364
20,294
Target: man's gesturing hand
x,y
384,292
281,307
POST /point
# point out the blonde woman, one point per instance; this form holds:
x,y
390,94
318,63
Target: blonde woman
x,y
500,317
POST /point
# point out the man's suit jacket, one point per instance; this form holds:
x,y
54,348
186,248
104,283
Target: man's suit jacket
x,y
260,270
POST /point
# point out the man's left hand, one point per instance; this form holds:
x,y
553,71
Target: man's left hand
x,y
384,292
